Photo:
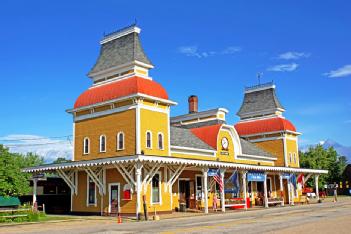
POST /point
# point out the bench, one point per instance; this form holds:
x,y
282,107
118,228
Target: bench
x,y
13,214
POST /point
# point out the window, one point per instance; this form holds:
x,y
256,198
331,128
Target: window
x,y
156,188
198,187
295,158
290,157
120,141
86,145
103,143
160,141
91,192
148,140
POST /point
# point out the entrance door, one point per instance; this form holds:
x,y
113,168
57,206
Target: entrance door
x,y
114,198
184,191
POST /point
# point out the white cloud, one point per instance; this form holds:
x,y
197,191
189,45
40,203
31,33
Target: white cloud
x,y
193,51
293,55
340,72
49,149
283,67
189,51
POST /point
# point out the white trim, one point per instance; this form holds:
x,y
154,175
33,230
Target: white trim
x,y
146,140
168,160
95,203
109,196
158,141
84,145
235,137
192,151
156,109
73,141
285,152
120,99
260,88
267,139
197,115
137,130
159,189
103,113
123,141
100,145
123,32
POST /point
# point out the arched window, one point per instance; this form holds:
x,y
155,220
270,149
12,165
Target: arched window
x,y
120,141
86,145
102,143
148,140
160,140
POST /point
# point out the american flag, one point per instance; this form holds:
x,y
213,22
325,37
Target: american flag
x,y
218,179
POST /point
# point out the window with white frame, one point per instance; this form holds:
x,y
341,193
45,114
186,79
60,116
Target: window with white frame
x,y
91,192
102,143
156,188
160,141
148,140
290,157
120,141
295,158
86,145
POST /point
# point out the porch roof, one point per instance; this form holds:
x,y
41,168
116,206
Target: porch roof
x,y
166,160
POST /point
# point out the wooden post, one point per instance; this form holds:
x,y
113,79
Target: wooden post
x,y
204,176
35,182
138,189
244,187
265,191
222,192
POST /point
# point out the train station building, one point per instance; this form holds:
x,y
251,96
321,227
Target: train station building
x,y
128,149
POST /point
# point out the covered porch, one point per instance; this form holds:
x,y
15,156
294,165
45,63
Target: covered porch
x,y
125,184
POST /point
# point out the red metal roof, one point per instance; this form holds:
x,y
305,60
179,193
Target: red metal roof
x,y
264,125
208,134
120,88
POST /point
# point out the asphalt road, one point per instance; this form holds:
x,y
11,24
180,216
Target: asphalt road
x,y
317,218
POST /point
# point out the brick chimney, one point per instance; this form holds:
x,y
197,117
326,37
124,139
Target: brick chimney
x,y
193,104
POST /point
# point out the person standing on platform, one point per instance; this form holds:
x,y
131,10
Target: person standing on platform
x,y
215,199
335,187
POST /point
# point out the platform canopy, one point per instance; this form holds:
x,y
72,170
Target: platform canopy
x,y
166,161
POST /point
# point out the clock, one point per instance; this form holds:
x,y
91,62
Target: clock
x,y
225,143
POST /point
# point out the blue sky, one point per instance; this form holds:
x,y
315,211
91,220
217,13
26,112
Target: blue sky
x,y
212,49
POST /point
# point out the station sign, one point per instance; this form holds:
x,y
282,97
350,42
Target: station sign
x,y
256,176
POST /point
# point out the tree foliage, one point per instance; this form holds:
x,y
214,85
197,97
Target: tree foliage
x,y
328,159
14,182
61,160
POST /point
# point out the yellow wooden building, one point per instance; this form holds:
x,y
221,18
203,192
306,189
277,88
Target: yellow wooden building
x,y
129,150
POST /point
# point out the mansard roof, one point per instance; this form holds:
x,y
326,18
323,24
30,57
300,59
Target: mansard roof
x,y
264,126
260,100
185,138
120,88
120,48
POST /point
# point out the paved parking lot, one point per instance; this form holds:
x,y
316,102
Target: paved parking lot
x,y
317,218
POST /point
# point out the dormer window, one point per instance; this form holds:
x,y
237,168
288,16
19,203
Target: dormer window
x,y
120,141
86,145
160,141
102,143
148,140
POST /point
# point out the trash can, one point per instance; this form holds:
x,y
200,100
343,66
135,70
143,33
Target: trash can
x,y
182,207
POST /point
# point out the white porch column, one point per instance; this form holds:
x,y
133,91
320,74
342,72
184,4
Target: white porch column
x,y
243,173
222,192
138,189
281,188
265,190
204,178
289,191
35,182
316,177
